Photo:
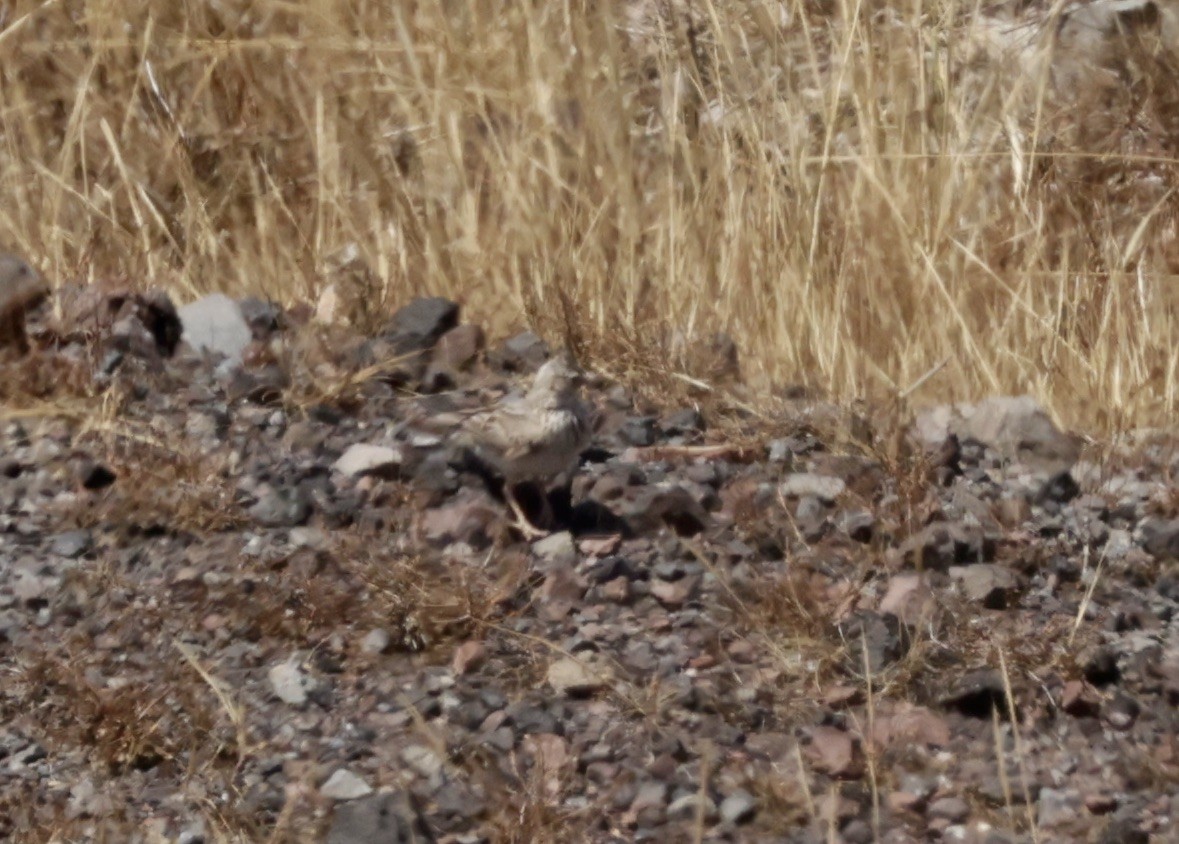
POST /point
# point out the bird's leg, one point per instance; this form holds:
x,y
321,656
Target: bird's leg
x,y
522,523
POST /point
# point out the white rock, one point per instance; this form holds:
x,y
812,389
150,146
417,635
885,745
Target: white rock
x,y
363,459
345,785
557,548
826,488
575,677
289,683
423,760
215,324
376,641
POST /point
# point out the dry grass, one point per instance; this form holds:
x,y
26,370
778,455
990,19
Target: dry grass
x,y
856,191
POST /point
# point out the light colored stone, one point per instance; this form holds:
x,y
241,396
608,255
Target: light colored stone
x,y
738,808
376,641
576,677
289,683
986,583
424,761
216,324
363,459
826,488
556,549
345,785
1015,427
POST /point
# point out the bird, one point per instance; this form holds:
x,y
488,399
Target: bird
x,y
535,437
20,289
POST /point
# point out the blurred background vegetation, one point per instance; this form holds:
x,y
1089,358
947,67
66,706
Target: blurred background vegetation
x,y
856,192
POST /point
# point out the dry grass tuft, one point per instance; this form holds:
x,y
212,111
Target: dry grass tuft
x,y
856,192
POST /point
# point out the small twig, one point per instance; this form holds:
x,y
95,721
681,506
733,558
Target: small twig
x,y
916,385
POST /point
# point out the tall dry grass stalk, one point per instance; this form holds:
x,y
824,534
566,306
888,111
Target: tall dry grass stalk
x,y
856,190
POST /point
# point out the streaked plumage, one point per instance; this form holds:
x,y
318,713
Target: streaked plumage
x,y
534,437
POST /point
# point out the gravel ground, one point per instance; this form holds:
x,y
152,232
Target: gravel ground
x,y
251,591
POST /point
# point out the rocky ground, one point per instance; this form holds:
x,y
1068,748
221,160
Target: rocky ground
x,y
257,595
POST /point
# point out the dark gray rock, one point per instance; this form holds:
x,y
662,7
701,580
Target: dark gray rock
x,y
379,819
418,325
976,693
282,507
657,507
641,431
884,636
1160,538
943,544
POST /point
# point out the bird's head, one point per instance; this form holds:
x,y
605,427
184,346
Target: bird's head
x,y
560,375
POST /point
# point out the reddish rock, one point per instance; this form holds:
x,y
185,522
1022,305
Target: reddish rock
x,y
469,656
835,753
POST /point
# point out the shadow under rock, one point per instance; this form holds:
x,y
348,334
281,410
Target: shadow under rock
x,y
586,518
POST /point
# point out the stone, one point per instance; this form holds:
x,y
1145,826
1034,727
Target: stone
x,y
422,760
692,806
883,637
1079,699
290,684
938,546
459,348
466,519
985,583
557,550
362,459
826,488
674,594
833,752
665,506
1015,427
739,807
262,316
469,656
688,420
72,544
577,678
329,307
375,642
550,758
281,507
952,809
524,352
909,727
1058,807
976,693
859,525
908,597
638,431
1160,538
652,794
344,785
418,325
215,324
21,288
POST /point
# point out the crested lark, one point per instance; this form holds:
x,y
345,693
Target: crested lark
x,y
535,437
